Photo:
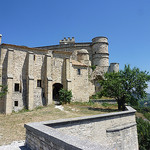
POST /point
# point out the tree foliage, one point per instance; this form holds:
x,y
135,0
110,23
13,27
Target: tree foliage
x,y
65,96
126,86
143,129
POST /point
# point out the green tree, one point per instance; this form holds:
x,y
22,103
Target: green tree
x,y
126,86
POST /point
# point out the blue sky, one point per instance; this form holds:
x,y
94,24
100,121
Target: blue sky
x,y
126,23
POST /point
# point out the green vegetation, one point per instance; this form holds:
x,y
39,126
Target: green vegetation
x,y
143,128
144,110
93,67
107,104
3,90
95,96
126,86
65,96
145,102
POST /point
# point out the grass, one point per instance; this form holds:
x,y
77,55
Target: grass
x,y
12,126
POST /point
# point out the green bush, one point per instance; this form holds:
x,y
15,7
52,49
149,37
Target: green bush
x,y
143,129
65,96
93,67
144,110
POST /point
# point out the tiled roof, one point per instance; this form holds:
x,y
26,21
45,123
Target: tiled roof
x,y
77,63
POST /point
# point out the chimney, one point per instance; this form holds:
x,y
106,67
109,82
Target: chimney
x,y
0,38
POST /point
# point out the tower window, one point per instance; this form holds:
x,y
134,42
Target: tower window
x,y
15,103
39,83
79,71
16,87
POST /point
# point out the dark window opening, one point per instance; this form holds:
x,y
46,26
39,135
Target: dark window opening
x,y
16,87
34,57
39,83
16,103
79,71
43,95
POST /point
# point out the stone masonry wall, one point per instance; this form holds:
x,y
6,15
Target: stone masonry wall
x,y
3,62
100,132
19,77
39,70
80,84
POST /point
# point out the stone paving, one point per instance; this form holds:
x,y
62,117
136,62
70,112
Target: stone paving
x,y
16,145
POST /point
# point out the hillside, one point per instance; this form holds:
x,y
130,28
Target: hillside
x,y
145,102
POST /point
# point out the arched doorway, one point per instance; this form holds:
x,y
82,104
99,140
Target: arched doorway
x,y
56,88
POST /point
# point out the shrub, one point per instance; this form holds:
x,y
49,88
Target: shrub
x,y
65,96
93,67
143,128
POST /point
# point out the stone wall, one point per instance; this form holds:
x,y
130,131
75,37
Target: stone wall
x,y
80,84
19,67
100,132
26,67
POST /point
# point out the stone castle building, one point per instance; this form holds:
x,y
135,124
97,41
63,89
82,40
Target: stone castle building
x,y
35,75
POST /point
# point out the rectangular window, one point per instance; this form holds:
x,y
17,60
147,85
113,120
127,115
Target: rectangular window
x,y
79,71
34,57
39,83
15,103
16,87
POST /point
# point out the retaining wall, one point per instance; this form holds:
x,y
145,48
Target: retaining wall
x,y
99,132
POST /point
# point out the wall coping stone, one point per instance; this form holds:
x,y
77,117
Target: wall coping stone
x,y
122,127
47,130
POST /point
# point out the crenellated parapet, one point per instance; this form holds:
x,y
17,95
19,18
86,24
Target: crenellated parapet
x,y
67,41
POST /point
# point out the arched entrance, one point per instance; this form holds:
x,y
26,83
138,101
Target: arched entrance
x,y
56,88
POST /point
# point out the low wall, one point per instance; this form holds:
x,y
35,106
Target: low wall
x,y
101,101
99,132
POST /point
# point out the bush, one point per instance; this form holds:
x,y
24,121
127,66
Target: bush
x,y
144,110
93,67
143,128
65,96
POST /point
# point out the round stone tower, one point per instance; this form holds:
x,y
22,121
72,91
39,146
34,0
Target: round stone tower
x,y
100,52
114,67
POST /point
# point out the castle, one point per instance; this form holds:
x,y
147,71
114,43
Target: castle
x,y
34,76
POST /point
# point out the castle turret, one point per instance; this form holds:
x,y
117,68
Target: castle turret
x,y
114,67
100,52
83,57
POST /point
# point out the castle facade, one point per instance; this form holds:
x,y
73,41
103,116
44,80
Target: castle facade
x,y
34,76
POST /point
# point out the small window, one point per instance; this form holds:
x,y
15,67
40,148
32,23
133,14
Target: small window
x,y
15,103
38,83
79,71
34,57
16,87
